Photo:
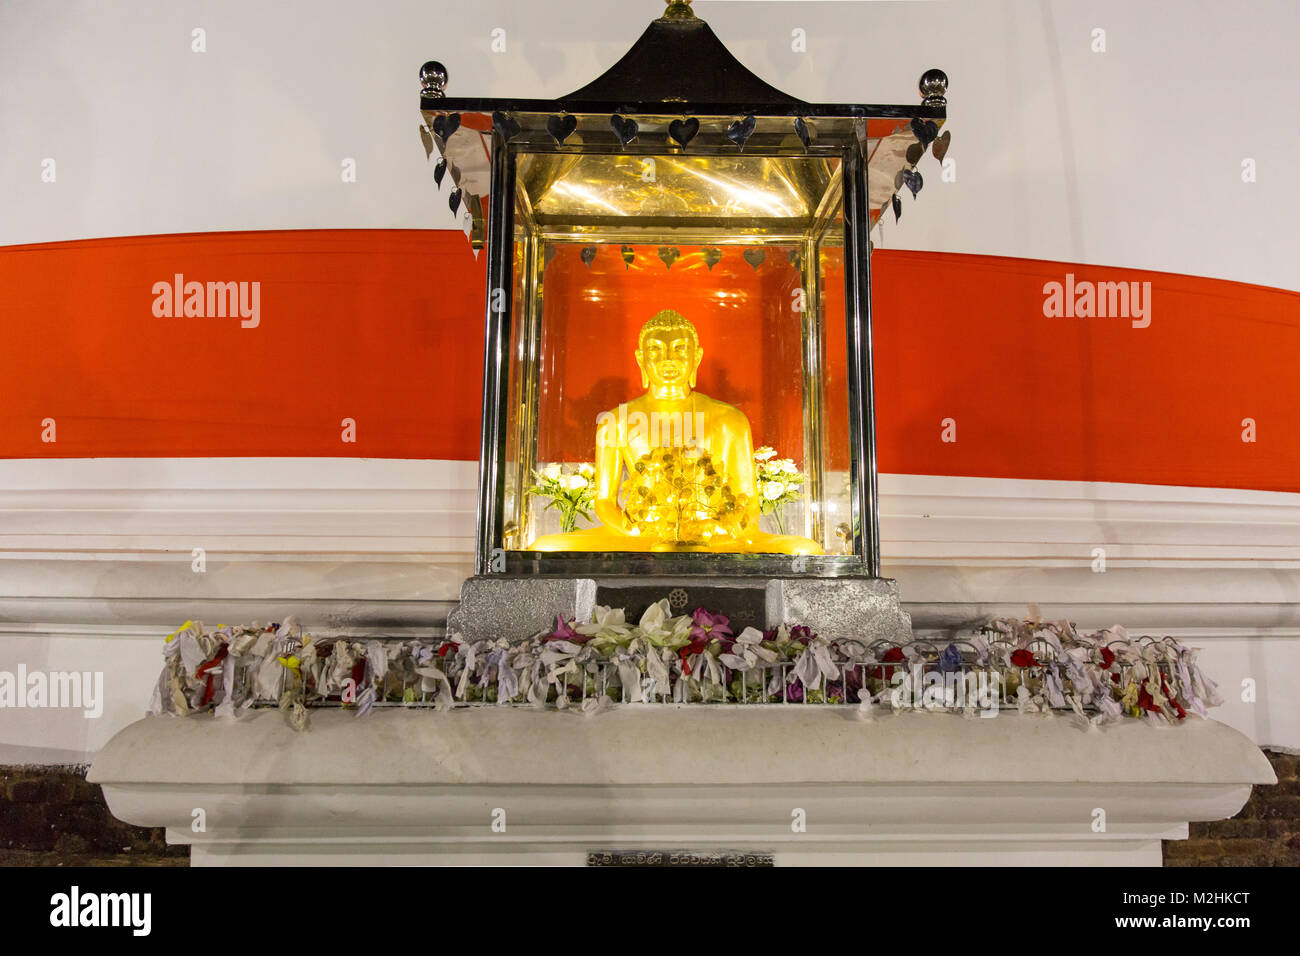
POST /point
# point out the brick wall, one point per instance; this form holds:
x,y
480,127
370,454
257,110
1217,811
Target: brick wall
x,y
52,816
1265,833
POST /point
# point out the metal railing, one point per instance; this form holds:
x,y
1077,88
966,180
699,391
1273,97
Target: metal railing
x,y
955,673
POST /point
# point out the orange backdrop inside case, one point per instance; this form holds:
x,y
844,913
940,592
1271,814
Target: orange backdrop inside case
x,y
749,329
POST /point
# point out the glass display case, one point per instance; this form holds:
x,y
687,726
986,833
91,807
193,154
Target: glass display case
x,y
678,341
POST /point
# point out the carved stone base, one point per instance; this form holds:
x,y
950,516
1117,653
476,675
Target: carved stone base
x,y
790,783
494,606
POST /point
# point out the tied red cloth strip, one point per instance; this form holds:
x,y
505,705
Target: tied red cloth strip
x,y
694,647
1147,702
205,671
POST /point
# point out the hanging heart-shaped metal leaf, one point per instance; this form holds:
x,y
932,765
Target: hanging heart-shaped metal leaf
x,y
755,257
669,254
924,130
426,138
624,128
561,127
913,181
507,126
453,200
548,254
898,207
628,256
794,257
712,257
914,153
802,131
588,253
940,147
439,170
445,124
898,179
740,131
683,131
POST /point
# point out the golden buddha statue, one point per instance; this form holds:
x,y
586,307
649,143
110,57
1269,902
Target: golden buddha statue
x,y
689,461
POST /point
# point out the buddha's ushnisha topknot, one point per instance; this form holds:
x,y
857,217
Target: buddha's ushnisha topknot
x,y
667,320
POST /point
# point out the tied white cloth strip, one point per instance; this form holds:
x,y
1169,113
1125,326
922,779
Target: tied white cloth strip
x,y
647,665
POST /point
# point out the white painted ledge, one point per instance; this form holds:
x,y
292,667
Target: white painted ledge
x,y
96,565
912,789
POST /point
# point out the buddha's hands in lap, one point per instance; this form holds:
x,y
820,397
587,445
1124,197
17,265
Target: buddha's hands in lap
x,y
614,520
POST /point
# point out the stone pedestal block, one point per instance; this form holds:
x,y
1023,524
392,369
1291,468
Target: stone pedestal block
x,y
867,609
864,609
493,606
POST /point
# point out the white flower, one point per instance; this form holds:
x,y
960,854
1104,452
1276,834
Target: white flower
x,y
652,621
551,471
773,490
576,482
587,471
764,453
606,622
788,467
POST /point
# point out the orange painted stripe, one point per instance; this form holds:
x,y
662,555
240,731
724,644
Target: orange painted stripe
x,y
1084,399
386,327
381,326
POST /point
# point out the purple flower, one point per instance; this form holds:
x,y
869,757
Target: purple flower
x,y
852,682
564,632
708,626
950,659
802,633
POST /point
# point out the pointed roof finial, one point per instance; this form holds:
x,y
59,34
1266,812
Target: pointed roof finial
x,y
678,10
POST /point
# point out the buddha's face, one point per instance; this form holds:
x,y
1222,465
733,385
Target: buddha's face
x,y
669,359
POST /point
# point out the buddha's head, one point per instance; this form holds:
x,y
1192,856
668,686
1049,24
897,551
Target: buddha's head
x,y
669,353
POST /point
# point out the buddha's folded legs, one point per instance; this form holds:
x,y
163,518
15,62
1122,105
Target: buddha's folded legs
x,y
760,542
593,539
600,539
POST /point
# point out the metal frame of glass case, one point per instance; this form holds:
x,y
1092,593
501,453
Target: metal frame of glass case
x,y
731,127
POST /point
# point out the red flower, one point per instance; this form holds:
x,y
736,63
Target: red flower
x,y
1107,657
1023,658
891,656
446,648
